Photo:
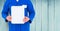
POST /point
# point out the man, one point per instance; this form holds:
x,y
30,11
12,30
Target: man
x,y
28,19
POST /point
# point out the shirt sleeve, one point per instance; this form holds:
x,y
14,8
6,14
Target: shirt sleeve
x,y
31,11
5,10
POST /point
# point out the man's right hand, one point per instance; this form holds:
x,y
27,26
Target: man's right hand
x,y
8,18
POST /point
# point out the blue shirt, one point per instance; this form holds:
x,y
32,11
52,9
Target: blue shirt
x,y
7,10
9,3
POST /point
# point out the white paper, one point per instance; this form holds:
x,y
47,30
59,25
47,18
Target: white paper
x,y
17,13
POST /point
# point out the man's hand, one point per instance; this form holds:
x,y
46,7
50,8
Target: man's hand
x,y
26,19
8,18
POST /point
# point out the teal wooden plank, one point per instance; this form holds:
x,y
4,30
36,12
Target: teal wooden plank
x,y
44,16
57,15
38,15
52,15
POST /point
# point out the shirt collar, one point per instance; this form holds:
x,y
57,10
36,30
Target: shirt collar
x,y
17,0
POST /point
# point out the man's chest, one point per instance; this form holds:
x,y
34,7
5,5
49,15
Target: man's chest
x,y
17,3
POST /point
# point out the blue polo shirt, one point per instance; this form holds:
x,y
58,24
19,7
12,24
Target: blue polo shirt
x,y
7,10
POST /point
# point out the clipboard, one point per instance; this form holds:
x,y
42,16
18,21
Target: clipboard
x,y
17,13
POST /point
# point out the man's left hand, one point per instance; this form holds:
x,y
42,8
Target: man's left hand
x,y
26,19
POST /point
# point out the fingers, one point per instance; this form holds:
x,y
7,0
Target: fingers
x,y
8,18
26,19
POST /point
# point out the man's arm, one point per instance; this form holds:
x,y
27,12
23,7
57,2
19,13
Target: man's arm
x,y
31,11
5,10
